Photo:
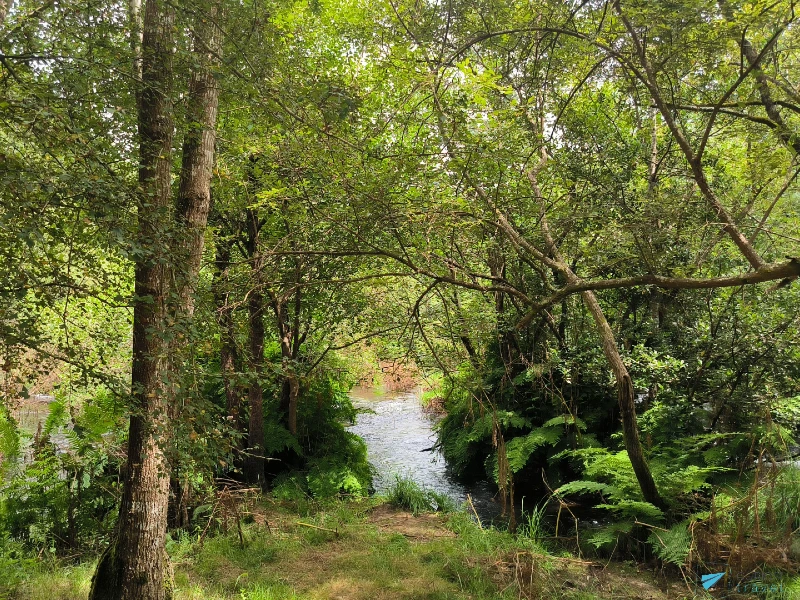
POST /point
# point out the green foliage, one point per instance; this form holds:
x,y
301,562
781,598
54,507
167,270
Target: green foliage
x,y
16,565
519,449
262,592
409,495
764,508
672,546
345,471
278,438
65,498
609,473
532,524
607,537
57,418
334,460
377,185
329,477
9,444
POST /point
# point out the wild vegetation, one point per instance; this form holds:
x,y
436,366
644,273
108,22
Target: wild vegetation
x,y
577,222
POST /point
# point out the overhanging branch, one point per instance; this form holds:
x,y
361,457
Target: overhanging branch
x,y
784,271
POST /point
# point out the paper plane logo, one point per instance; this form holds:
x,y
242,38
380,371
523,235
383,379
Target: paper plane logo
x,y
711,579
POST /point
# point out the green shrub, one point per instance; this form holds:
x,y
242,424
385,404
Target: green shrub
x,y
9,443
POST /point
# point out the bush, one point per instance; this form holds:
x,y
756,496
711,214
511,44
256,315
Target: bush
x,y
327,459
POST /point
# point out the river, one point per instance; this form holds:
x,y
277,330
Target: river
x,y
399,437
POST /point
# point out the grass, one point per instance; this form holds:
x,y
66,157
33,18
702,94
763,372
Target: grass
x,y
410,496
48,582
335,553
348,551
532,523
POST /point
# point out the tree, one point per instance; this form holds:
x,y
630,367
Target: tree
x,y
170,240
495,88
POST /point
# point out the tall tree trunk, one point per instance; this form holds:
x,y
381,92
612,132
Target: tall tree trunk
x,y
254,461
134,565
228,353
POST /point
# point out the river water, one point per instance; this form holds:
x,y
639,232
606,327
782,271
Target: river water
x,y
399,437
30,415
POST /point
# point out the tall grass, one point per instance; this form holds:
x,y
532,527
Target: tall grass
x,y
532,525
410,496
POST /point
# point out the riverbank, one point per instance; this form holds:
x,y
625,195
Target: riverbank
x,y
364,550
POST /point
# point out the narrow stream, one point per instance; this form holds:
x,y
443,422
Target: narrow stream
x,y
399,438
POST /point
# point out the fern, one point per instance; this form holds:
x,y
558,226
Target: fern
x,y
483,426
585,487
520,448
634,509
606,537
673,481
566,420
277,438
672,546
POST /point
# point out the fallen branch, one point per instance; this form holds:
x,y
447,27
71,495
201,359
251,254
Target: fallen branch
x,y
475,512
333,531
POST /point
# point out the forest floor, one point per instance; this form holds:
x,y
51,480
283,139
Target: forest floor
x,y
368,551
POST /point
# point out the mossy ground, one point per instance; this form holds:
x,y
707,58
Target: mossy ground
x,y
365,551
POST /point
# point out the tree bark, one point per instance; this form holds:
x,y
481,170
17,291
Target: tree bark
x,y
228,353
783,271
135,564
788,137
254,461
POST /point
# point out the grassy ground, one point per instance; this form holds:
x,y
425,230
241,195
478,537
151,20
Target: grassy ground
x,y
368,551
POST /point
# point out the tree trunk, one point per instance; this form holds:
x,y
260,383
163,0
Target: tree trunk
x,y
228,354
625,396
135,564
294,394
789,138
254,461
625,391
